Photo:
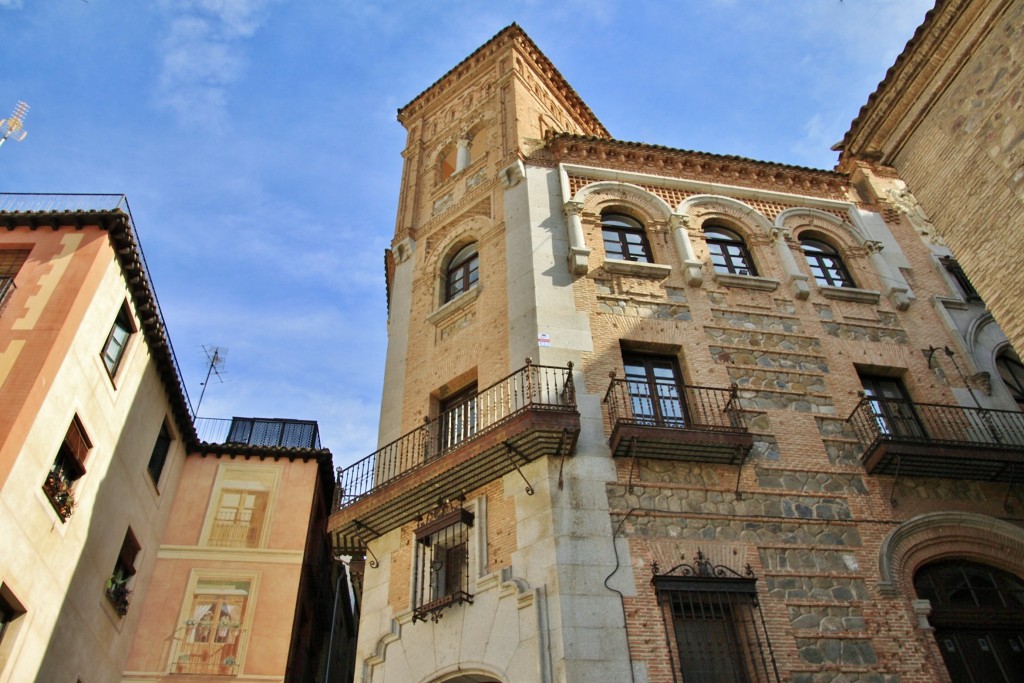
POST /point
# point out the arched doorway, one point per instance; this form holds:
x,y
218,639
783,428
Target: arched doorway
x,y
978,616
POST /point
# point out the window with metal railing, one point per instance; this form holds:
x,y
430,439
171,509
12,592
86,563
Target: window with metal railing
x,y
457,421
713,619
442,563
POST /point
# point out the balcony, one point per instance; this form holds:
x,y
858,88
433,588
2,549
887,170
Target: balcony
x,y
930,440
206,647
689,423
255,431
528,414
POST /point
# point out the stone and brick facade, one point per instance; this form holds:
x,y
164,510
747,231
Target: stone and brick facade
x,y
750,458
949,119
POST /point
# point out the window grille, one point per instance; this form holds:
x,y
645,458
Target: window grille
x,y
713,617
442,563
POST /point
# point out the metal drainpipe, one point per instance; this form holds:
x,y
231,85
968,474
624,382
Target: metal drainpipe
x,y
334,622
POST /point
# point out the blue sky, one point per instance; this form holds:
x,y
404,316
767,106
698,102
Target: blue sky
x,y
257,143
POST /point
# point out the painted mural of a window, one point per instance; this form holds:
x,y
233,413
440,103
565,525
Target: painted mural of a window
x,y
442,563
238,521
241,508
209,641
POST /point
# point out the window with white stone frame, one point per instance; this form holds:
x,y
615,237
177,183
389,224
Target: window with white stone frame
x,y
442,561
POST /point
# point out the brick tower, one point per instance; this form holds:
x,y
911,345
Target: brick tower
x,y
655,415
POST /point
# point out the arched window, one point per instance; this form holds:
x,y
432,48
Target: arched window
x,y
1011,370
446,162
458,155
625,238
978,616
729,253
463,272
826,264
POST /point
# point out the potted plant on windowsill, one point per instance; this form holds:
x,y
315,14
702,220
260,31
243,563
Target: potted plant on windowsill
x,y
118,593
58,491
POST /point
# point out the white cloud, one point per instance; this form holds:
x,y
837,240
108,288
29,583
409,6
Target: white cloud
x,y
203,55
11,4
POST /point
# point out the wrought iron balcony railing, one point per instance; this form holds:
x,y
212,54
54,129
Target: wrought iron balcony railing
x,y
676,421
206,647
533,387
254,431
933,440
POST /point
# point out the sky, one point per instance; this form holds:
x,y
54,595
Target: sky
x,y
258,146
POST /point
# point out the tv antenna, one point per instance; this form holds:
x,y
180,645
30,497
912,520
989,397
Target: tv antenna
x,y
14,127
215,364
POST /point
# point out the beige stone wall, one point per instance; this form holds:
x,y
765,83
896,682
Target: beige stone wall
x,y
965,164
949,119
68,295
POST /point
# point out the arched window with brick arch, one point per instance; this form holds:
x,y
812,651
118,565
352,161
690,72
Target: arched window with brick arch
x,y
824,260
462,272
728,250
625,238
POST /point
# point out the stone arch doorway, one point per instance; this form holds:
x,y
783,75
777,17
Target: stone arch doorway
x,y
977,612
467,678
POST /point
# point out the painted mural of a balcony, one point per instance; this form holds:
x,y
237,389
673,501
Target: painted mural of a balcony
x,y
207,647
259,431
481,437
652,415
904,438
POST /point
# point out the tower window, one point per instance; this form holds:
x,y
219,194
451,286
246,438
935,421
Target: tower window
x,y
625,238
463,272
728,251
442,563
826,263
457,421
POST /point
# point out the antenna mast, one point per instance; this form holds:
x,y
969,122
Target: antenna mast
x,y
14,127
215,362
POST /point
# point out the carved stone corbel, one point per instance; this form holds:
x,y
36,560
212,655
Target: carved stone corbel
x,y
693,272
579,255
